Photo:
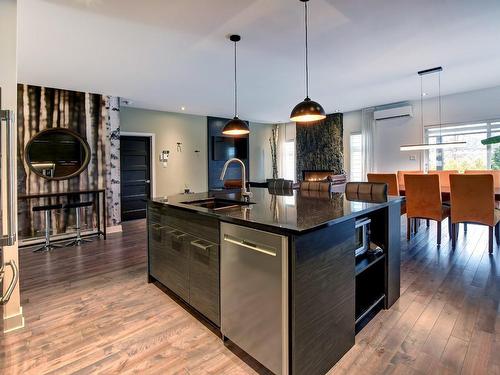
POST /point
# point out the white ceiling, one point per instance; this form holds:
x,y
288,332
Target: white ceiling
x,y
168,54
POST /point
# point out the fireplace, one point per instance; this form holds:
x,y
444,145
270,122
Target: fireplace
x,y
316,175
337,181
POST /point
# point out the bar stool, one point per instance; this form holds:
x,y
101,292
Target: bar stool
x,y
47,209
79,239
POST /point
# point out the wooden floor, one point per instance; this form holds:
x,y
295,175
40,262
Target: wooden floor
x,y
89,310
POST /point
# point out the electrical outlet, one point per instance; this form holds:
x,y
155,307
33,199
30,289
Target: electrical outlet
x,y
413,157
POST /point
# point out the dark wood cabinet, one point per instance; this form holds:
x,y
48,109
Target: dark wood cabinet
x,y
183,255
204,278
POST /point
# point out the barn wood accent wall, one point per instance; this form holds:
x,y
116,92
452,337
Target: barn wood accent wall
x,y
97,119
319,145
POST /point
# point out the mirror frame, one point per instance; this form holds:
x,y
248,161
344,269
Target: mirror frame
x,y
82,141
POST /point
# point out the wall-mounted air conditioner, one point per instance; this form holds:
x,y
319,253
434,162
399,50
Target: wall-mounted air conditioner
x,y
389,112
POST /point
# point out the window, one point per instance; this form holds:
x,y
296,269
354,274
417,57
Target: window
x,y
356,157
289,160
474,155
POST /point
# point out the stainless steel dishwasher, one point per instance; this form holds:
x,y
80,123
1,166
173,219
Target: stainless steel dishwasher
x,y
254,294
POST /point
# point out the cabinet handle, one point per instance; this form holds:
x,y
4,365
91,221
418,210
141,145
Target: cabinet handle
x,y
250,245
199,245
177,233
156,227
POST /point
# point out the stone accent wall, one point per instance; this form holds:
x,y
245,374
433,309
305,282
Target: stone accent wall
x,y
319,145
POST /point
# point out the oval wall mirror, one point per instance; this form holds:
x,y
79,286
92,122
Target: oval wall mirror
x,y
57,154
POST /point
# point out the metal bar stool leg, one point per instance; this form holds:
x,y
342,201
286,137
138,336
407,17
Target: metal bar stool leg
x,y
48,245
79,239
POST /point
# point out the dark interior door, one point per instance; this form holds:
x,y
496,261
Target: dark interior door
x,y
135,163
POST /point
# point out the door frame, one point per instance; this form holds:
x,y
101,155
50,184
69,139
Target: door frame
x,y
152,139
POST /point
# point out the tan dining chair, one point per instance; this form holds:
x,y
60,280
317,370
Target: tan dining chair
x,y
316,186
391,179
496,182
423,201
473,201
444,176
494,173
401,176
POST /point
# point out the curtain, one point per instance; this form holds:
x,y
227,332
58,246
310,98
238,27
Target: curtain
x,y
367,135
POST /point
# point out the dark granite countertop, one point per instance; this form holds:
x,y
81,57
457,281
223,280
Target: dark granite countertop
x,y
296,213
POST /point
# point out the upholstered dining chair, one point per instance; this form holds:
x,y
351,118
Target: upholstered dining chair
x,y
316,186
391,179
496,182
401,176
473,201
444,176
423,201
494,173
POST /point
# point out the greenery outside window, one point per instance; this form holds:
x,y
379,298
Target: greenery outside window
x,y
474,155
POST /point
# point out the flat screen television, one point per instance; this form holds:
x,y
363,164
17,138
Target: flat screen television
x,y
224,148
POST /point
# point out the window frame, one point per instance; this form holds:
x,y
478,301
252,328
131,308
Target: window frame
x,y
356,133
487,125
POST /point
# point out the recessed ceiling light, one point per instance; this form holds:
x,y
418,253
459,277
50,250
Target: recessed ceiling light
x,y
183,108
424,94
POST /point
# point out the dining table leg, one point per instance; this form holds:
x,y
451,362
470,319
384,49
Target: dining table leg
x,y
497,233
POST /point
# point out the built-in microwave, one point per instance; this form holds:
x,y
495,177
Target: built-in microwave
x,y
362,232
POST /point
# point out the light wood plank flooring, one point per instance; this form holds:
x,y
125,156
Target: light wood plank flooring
x,y
89,310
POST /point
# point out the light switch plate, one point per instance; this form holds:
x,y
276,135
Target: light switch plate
x,y
413,157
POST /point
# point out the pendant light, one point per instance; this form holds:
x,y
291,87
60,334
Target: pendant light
x,y
437,145
235,126
307,110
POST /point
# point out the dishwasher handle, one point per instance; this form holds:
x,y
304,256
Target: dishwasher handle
x,y
250,245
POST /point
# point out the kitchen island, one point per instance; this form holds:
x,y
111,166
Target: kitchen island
x,y
278,274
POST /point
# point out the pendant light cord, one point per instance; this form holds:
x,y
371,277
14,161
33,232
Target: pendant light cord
x,y
307,50
235,85
439,93
422,105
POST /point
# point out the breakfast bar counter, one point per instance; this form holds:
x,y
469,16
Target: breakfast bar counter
x,y
278,275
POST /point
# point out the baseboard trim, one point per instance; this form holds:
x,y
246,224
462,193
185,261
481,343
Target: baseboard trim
x,y
13,322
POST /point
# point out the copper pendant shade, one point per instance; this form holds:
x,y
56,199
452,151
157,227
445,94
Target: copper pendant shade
x,y
235,126
307,110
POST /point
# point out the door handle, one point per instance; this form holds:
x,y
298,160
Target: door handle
x,y
15,277
8,117
147,181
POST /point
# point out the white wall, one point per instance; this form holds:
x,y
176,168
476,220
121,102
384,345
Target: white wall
x,y
13,317
390,134
187,167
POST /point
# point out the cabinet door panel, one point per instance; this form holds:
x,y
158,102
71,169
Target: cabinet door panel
x,y
177,263
204,278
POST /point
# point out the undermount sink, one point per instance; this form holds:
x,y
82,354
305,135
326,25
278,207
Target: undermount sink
x,y
216,204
